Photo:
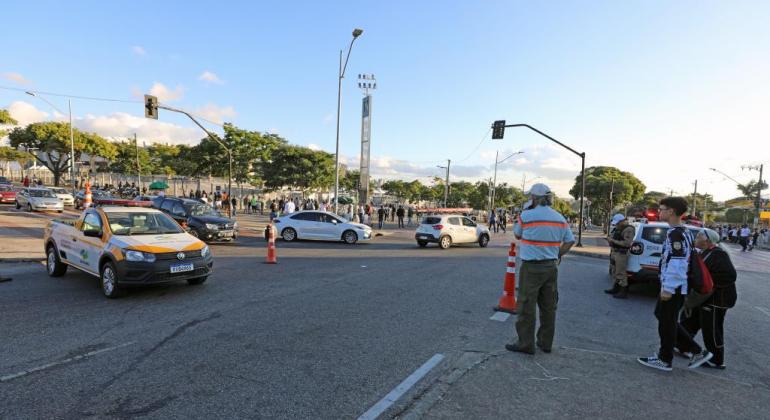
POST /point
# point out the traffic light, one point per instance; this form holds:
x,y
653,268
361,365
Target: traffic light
x,y
150,107
498,129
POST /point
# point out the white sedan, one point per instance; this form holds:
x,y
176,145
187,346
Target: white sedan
x,y
320,225
38,199
66,198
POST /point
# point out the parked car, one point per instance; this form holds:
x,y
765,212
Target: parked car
x,y
80,197
201,220
38,199
320,225
448,229
7,194
126,246
5,181
64,195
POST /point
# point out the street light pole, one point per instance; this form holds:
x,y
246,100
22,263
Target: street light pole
x,y
356,33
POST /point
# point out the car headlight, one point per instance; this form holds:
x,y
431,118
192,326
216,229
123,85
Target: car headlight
x,y
210,226
235,225
139,256
205,251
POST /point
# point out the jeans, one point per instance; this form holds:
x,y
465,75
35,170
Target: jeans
x,y
401,221
380,223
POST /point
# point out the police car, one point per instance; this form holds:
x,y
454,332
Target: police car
x,y
645,252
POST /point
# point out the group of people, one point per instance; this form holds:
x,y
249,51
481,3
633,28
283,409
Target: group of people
x,y
35,181
498,220
681,311
742,235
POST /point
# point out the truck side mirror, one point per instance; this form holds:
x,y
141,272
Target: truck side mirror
x,y
93,233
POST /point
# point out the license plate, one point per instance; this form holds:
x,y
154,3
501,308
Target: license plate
x,y
181,268
226,233
424,237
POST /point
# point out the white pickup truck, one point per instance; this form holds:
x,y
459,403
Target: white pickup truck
x,y
126,246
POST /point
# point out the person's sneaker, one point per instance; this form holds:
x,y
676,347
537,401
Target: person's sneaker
x,y
516,348
698,359
655,363
712,365
685,354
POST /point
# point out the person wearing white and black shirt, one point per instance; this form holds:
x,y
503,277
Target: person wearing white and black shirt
x,y
743,237
673,281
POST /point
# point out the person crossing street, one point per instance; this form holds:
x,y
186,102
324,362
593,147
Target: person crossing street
x,y
544,237
620,242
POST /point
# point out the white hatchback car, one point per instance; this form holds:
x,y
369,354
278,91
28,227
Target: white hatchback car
x,y
66,198
320,225
448,229
38,199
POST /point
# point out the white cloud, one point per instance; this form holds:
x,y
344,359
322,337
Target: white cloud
x,y
328,118
138,50
120,125
210,77
16,78
313,146
26,113
165,94
216,113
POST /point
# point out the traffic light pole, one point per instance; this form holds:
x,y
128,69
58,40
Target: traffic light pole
x,y
497,134
216,139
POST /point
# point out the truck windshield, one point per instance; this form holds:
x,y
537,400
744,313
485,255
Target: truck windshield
x,y
133,223
201,210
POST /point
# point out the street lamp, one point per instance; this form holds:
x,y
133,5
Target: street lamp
x,y
356,33
494,182
72,135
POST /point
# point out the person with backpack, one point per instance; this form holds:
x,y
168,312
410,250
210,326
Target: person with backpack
x,y
710,316
674,266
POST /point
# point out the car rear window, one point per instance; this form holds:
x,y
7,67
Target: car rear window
x,y
654,234
431,220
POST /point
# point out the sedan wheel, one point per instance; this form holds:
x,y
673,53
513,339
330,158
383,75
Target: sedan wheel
x,y
289,234
445,242
29,207
18,206
350,237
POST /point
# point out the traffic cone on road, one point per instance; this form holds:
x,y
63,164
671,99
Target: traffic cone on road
x,y
87,196
508,299
271,258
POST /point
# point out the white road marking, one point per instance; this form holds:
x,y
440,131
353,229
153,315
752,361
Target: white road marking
x,y
500,316
12,376
401,389
763,310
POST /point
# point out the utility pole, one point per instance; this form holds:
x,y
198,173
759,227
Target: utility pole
x,y
138,166
494,183
446,183
695,200
609,213
758,200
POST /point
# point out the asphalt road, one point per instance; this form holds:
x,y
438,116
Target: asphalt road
x,y
324,334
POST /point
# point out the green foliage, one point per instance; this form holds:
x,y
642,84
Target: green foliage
x,y
599,182
750,190
299,167
737,215
6,118
53,140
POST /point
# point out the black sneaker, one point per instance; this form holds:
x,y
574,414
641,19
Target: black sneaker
x,y
655,363
712,365
698,359
516,348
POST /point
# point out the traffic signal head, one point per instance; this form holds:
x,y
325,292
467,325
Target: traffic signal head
x,y
498,129
150,107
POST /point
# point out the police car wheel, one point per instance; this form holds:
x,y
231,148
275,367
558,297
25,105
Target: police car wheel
x,y
483,241
445,242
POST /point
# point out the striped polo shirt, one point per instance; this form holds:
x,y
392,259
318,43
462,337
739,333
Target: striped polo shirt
x,y
542,230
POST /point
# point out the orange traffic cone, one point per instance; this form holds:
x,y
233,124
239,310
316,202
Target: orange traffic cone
x,y
508,299
271,259
87,196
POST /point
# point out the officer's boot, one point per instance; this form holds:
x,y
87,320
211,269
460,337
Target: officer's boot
x,y
622,294
615,289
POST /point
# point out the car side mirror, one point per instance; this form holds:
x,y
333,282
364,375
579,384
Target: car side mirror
x,y
334,221
93,233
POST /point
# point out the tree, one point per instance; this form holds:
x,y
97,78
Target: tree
x,y
9,154
124,161
298,167
6,119
600,180
750,190
397,188
53,140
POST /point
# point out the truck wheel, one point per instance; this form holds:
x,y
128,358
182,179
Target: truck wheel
x,y
196,281
54,266
109,280
445,242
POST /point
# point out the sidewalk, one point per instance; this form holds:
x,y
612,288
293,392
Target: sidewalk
x,y
594,245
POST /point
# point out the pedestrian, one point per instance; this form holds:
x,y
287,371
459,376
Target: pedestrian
x,y
360,213
381,214
289,207
25,182
544,237
369,210
743,237
620,242
273,209
754,238
674,264
709,317
492,221
392,212
400,215
501,220
234,204
409,215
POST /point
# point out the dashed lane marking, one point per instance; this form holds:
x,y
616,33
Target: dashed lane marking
x,y
401,389
16,375
763,310
500,316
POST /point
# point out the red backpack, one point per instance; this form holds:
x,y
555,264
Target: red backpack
x,y
698,275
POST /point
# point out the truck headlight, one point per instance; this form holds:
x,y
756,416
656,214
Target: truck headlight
x,y
205,251
139,256
210,226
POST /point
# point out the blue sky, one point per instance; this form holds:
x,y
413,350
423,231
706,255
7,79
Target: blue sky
x,y
641,85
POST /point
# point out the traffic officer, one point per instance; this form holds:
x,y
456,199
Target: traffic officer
x,y
544,237
620,242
